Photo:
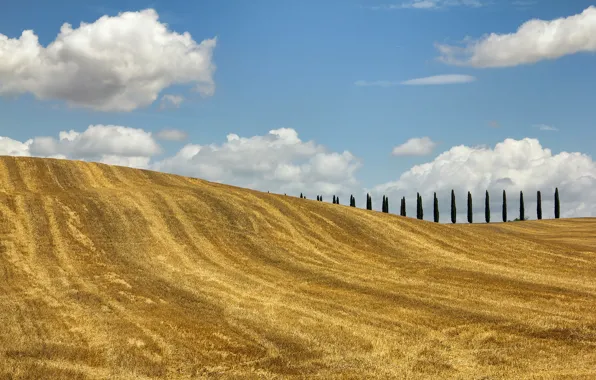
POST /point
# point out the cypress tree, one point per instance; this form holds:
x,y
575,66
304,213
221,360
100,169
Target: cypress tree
x,y
487,208
538,205
334,199
417,205
436,209
469,207
383,205
504,206
403,207
521,206
453,209
368,202
352,201
421,209
300,195
557,205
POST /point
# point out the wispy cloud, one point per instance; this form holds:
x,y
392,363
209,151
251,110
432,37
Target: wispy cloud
x,y
417,146
432,80
544,127
376,83
440,79
429,4
168,101
172,135
523,4
494,124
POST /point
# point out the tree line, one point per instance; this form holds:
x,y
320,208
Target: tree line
x,y
420,210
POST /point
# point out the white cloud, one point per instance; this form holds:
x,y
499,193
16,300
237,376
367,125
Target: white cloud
x,y
117,63
109,144
523,4
377,83
10,147
432,80
171,101
172,135
544,127
417,146
534,41
430,4
277,162
440,79
512,165
97,140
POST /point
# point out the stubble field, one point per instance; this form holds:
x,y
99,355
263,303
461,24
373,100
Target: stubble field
x,y
112,272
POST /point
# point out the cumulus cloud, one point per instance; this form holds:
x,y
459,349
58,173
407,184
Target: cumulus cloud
x,y
97,140
278,161
440,79
534,41
10,147
116,63
417,146
109,144
172,135
512,165
171,101
432,80
544,127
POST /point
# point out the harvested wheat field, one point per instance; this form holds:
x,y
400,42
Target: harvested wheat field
x,y
112,272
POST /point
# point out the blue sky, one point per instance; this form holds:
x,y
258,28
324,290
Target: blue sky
x,y
296,64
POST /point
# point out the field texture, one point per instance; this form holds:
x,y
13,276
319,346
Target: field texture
x,y
115,273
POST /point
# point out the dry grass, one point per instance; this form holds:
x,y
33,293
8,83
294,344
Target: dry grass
x,y
111,272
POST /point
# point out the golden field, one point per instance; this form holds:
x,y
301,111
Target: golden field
x,y
116,273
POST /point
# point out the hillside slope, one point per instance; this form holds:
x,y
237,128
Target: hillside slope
x,y
112,272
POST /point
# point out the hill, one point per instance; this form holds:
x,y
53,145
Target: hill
x,y
112,272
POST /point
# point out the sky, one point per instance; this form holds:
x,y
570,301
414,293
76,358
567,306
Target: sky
x,y
334,97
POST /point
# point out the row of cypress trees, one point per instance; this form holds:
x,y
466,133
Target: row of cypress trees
x,y
522,215
420,210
